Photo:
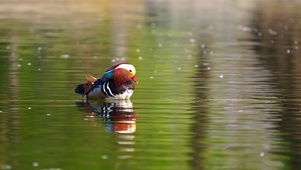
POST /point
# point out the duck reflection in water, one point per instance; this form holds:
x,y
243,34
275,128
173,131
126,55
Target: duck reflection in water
x,y
118,116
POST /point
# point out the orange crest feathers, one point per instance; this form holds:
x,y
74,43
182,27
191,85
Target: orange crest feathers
x,y
91,79
88,85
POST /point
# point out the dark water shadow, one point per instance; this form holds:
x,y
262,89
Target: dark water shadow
x,y
281,55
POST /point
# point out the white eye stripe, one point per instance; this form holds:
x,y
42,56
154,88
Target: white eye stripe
x,y
124,66
128,67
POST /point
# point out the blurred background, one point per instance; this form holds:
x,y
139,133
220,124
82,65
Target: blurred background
x,y
219,84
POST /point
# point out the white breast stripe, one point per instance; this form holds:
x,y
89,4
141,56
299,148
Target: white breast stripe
x,y
103,89
111,94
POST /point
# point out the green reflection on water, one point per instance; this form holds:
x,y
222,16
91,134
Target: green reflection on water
x,y
177,127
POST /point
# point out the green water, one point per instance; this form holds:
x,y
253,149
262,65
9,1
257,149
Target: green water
x,y
219,85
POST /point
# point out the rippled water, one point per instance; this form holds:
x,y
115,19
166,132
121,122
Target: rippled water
x,y
219,85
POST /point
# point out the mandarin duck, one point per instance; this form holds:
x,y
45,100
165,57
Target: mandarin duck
x,y
116,83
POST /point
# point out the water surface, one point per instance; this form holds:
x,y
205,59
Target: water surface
x,y
219,85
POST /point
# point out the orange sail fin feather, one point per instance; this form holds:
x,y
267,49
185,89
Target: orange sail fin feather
x,y
91,79
88,86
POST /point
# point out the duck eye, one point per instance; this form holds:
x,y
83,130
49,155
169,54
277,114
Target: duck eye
x,y
130,70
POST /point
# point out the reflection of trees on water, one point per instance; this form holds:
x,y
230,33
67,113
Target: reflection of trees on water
x,y
280,26
216,27
201,117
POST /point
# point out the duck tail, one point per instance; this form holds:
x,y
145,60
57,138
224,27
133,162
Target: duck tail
x,y
80,89
84,88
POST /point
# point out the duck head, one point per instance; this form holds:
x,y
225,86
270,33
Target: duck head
x,y
121,72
